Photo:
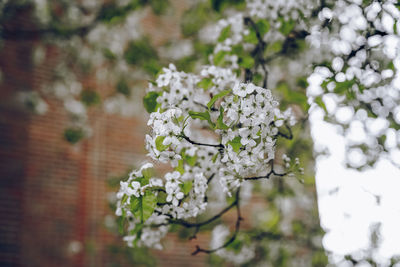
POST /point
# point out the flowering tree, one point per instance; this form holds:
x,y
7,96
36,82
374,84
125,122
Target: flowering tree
x,y
230,120
243,121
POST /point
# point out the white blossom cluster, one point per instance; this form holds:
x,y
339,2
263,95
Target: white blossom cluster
x,y
237,30
118,38
149,237
279,17
226,34
365,46
207,126
272,10
89,50
258,116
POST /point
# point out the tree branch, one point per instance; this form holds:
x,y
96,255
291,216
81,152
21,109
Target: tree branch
x,y
271,172
200,144
257,53
288,136
233,237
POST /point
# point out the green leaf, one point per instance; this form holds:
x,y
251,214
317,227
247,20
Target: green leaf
x,y
246,62
143,206
257,78
251,37
190,160
391,66
235,143
147,173
273,222
236,245
286,26
161,197
382,140
292,96
214,158
318,100
224,33
205,83
120,223
124,199
220,5
263,27
180,167
324,84
186,187
159,143
300,99
216,97
202,116
219,57
319,259
237,50
342,87
274,47
151,66
361,87
135,204
150,101
302,82
394,125
143,180
138,228
220,123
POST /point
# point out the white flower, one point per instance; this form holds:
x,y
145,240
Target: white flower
x,y
173,179
246,137
130,189
156,182
174,195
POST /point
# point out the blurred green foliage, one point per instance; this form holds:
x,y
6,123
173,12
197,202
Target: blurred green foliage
x,y
90,97
123,87
73,134
141,53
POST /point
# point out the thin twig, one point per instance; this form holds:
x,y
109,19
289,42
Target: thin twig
x,y
288,136
208,182
204,106
257,53
200,144
233,237
191,225
271,172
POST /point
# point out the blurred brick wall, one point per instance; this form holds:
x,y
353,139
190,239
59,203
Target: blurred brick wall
x,y
54,195
14,136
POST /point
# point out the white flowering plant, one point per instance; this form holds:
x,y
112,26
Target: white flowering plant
x,y
208,127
